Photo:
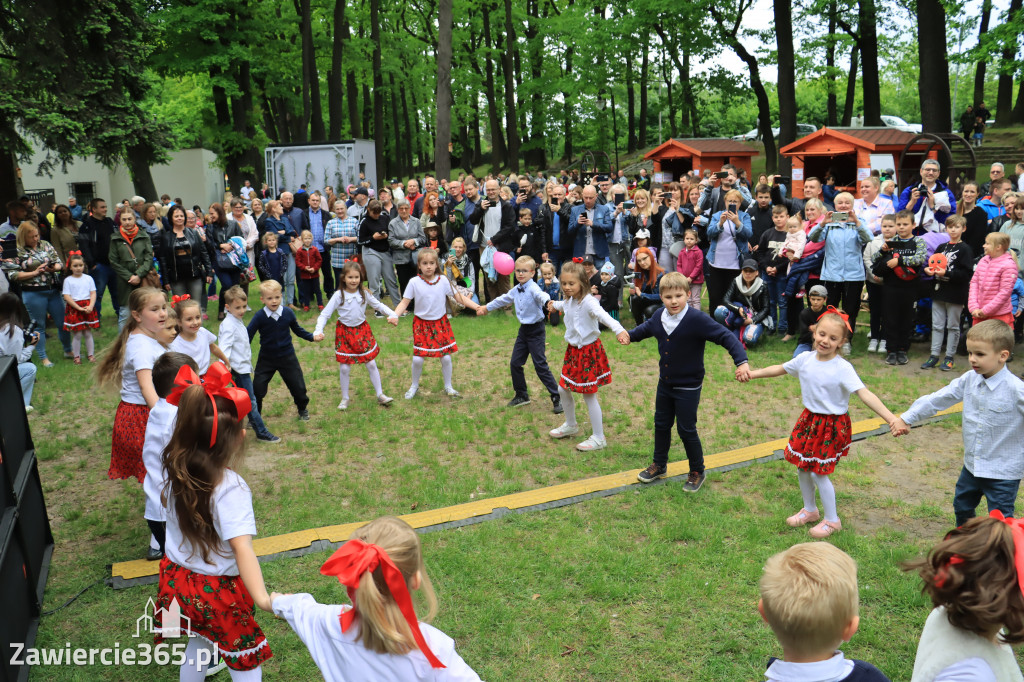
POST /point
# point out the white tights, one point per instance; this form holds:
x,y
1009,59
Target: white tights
x,y
371,367
76,343
189,673
808,482
417,370
593,409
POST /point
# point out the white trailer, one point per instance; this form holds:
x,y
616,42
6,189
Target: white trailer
x,y
337,164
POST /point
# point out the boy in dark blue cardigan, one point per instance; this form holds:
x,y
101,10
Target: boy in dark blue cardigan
x,y
275,323
681,333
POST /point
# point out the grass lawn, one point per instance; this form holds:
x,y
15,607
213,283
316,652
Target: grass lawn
x,y
650,584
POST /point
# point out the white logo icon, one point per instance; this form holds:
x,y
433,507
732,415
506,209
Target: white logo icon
x,y
173,623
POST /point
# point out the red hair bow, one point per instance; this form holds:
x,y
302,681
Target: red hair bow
x,y
835,311
216,382
577,260
70,254
351,561
178,299
1017,527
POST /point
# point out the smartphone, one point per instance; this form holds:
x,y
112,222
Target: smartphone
x,y
721,175
840,216
733,208
627,205
619,198
451,252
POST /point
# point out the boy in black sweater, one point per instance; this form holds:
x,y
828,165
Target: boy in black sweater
x,y
775,265
816,298
681,374
899,263
274,323
952,284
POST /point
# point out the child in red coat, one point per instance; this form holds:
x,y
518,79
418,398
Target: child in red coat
x,y
307,265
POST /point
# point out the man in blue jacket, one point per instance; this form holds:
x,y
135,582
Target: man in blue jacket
x,y
934,205
590,224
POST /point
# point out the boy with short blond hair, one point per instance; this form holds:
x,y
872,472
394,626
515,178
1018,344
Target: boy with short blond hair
x,y
234,341
809,598
873,282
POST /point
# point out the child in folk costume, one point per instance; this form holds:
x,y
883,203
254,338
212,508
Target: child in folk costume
x,y
210,570
193,338
432,335
354,343
80,315
585,366
130,359
379,637
822,433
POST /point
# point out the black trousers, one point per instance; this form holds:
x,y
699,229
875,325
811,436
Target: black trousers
x,y
794,306
405,272
328,271
717,283
159,531
679,405
898,316
875,298
642,308
849,294
291,374
308,288
530,342
474,258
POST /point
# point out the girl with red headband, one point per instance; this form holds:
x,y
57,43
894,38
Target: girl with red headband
x,y
822,433
193,339
80,316
379,637
974,578
209,570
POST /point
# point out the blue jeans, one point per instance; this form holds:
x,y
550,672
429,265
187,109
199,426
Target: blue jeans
x,y
751,333
27,374
39,303
289,278
776,301
245,381
1001,494
104,278
801,348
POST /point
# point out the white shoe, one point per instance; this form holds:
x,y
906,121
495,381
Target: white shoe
x,y
343,405
881,346
872,345
592,443
564,431
214,669
384,400
29,409
411,393
452,393
847,348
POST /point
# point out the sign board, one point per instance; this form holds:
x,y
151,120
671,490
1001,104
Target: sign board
x,y
662,177
863,173
882,162
798,173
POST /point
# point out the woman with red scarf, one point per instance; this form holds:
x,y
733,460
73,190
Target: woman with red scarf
x,y
131,258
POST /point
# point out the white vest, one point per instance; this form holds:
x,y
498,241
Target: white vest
x,y
942,645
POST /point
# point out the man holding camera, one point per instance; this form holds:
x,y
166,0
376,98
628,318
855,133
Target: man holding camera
x,y
527,197
931,200
714,189
590,224
497,221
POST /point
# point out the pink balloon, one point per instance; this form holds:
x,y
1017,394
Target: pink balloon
x,y
503,263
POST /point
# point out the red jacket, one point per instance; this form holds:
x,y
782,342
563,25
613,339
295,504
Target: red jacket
x,y
992,285
308,257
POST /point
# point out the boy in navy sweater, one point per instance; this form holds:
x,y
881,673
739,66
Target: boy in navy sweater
x,y
274,323
681,333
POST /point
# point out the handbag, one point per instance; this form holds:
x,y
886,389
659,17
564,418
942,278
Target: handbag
x,y
224,262
454,307
152,277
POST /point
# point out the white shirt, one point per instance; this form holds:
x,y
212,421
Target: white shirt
x,y
993,421
341,658
198,349
582,318
234,341
492,222
833,670
351,309
925,216
274,315
529,300
825,387
670,322
430,298
872,213
14,344
232,517
79,288
159,428
140,352
247,192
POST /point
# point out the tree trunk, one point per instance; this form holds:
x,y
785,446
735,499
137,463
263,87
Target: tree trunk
x,y
868,30
352,97
409,136
567,108
138,158
378,85
367,112
443,133
851,87
979,70
1018,109
787,78
689,105
1004,95
478,155
536,156
335,79
645,72
666,77
831,106
632,144
398,160
933,78
10,183
250,159
498,150
511,126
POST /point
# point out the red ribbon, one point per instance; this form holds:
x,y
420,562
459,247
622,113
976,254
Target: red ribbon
x,y
70,254
178,299
348,565
1017,526
835,311
216,382
577,260
943,573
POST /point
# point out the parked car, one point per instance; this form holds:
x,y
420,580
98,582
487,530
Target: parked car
x,y
900,124
755,134
805,129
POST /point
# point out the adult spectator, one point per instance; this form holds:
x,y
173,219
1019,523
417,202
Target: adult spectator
x,y
259,213
276,223
373,238
1007,202
642,216
619,239
553,218
967,122
812,190
297,218
300,199
712,198
265,192
604,190
36,268
497,220
434,213
412,191
219,230
317,219
64,233
527,196
429,185
760,211
76,210
360,197
94,241
996,171
471,231
590,224
341,237
250,233
149,220
977,219
932,206
137,203
729,231
982,111
454,205
16,213
405,237
387,202
870,207
396,189
184,261
247,192
14,320
676,220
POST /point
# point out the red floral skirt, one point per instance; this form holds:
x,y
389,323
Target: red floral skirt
x,y
355,345
586,368
818,441
126,443
432,338
75,320
217,608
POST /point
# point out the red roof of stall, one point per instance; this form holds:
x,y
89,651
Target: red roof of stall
x,y
718,146
872,139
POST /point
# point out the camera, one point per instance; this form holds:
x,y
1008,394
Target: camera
x,y
721,175
30,333
840,216
922,189
619,198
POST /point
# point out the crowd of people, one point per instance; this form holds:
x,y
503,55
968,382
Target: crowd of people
x,y
579,250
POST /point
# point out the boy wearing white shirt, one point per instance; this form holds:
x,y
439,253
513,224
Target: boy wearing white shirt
x,y
234,342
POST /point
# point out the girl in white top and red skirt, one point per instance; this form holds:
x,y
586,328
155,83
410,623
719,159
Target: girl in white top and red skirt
x,y
210,570
585,367
80,315
354,343
432,335
822,433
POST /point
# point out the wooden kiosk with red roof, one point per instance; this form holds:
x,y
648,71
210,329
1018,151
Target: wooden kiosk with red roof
x,y
677,157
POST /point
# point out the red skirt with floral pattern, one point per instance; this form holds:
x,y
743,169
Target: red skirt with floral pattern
x,y
126,443
75,320
217,608
432,338
354,345
818,441
586,368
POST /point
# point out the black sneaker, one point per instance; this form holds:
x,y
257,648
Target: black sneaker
x,y
304,415
268,438
947,364
377,313
930,362
890,359
518,401
652,474
556,405
901,358
154,554
694,481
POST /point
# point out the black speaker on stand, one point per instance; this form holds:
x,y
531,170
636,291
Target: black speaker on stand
x,y
26,543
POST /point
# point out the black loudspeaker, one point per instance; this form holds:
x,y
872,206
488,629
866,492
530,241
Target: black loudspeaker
x,y
26,543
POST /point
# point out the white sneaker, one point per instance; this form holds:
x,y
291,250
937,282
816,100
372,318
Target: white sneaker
x,y
881,346
28,409
872,345
343,405
452,393
384,400
847,348
214,669
592,443
411,393
564,431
